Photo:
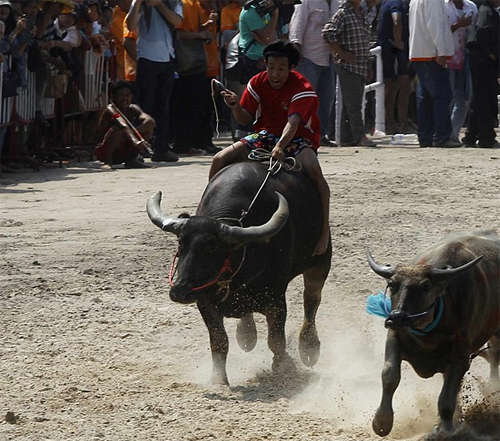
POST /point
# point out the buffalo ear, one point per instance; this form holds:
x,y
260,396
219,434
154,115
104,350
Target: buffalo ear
x,y
184,215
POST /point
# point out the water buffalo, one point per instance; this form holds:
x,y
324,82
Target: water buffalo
x,y
444,308
233,269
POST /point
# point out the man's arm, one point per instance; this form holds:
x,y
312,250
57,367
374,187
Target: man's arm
x,y
397,30
286,137
132,18
298,24
130,46
241,115
171,16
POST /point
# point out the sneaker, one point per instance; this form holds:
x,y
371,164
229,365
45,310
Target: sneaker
x,y
135,163
327,142
450,144
488,145
193,151
167,156
469,142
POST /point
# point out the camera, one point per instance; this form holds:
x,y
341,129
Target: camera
x,y
264,7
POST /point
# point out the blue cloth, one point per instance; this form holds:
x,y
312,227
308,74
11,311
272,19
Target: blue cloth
x,y
155,43
378,304
433,103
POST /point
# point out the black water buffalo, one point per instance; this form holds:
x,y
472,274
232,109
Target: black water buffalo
x,y
445,307
233,270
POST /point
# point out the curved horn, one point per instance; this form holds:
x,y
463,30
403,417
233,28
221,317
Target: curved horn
x,y
440,272
160,219
386,271
241,235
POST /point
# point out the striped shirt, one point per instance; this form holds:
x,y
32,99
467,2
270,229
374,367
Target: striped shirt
x,y
348,28
271,108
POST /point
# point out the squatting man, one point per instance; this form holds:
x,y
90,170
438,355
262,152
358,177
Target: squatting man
x,y
280,101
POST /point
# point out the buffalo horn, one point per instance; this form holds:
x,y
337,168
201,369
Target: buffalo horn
x,y
242,235
160,219
386,271
440,272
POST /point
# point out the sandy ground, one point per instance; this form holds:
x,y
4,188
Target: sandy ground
x,y
91,347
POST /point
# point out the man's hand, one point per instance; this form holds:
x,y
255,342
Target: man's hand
x,y
230,98
441,60
398,44
347,57
278,153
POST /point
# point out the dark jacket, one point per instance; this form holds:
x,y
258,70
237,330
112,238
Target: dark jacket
x,y
483,41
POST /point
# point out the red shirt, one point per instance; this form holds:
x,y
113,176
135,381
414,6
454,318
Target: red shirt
x,y
272,107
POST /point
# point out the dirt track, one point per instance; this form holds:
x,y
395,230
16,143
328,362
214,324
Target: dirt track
x,y
92,348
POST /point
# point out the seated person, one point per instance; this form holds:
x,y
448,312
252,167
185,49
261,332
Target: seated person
x,y
120,142
285,107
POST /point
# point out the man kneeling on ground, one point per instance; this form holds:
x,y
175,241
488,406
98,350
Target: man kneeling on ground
x,y
285,109
125,130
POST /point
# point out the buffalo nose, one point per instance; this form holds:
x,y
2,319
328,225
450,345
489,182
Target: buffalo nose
x,y
396,320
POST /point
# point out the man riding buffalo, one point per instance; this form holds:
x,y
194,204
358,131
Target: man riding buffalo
x,y
284,108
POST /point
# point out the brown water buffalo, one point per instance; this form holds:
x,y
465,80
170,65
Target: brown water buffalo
x,y
445,307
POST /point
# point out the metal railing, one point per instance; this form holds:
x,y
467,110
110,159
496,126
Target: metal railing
x,y
93,92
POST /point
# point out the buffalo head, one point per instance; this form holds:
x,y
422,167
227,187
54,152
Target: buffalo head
x,y
206,247
415,290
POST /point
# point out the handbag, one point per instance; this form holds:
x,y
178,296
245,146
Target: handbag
x,y
190,57
238,67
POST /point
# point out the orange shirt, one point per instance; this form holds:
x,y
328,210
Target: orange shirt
x,y
130,64
230,17
116,29
194,15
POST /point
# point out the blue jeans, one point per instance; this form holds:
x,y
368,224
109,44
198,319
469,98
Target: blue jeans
x,y
433,103
323,82
461,89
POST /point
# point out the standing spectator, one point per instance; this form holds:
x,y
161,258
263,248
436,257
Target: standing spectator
x,y
257,29
315,64
130,53
229,21
153,20
431,43
461,13
393,39
193,106
120,9
484,52
348,36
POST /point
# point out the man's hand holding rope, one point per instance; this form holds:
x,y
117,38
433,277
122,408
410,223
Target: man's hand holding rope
x,y
288,134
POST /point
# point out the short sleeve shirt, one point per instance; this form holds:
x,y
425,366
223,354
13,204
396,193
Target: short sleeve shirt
x,y
155,43
271,108
251,21
230,17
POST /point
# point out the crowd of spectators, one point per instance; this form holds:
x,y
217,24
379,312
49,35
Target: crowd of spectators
x,y
168,52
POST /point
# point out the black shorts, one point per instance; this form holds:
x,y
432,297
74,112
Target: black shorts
x,y
267,141
394,62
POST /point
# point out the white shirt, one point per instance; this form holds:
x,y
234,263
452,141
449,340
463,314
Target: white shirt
x,y
460,35
430,33
306,24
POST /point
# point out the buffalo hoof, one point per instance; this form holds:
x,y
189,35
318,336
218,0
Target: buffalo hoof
x,y
246,333
219,378
309,346
283,364
382,422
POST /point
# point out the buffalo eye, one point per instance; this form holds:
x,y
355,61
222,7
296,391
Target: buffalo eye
x,y
425,285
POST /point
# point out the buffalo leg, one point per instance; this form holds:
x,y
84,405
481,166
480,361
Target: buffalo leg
x,y
276,339
447,401
309,344
219,344
246,332
391,375
493,354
